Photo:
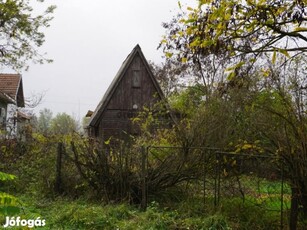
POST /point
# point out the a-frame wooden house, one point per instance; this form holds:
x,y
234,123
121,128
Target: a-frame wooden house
x,y
133,87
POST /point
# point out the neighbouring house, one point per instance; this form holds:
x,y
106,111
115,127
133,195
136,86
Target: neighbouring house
x,y
11,99
133,87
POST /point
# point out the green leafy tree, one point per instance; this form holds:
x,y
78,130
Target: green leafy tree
x,y
21,33
278,118
20,36
235,28
63,124
44,121
263,98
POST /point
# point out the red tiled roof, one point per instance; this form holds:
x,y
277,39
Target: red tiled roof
x,y
11,84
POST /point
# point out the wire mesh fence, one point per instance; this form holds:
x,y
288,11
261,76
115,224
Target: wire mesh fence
x,y
222,181
219,182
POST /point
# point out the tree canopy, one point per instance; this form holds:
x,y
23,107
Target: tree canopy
x,y
21,33
238,27
63,124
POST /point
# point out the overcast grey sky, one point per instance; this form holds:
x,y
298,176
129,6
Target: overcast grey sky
x,y
88,41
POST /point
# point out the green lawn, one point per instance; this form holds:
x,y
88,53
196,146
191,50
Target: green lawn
x,y
260,209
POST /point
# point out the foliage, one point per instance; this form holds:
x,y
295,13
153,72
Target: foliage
x,y
60,212
283,103
21,33
113,173
63,213
60,125
43,121
187,100
63,124
263,98
9,204
154,125
237,27
85,215
29,158
167,74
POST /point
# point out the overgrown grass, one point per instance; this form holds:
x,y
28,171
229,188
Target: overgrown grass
x,y
179,207
63,213
80,214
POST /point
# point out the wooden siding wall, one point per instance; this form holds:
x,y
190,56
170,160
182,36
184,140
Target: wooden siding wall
x,y
116,119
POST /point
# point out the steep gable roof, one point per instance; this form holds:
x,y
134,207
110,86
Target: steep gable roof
x,y
11,85
120,74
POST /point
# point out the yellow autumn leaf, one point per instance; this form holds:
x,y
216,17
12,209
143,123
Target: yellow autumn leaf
x,y
274,57
190,8
168,54
107,142
180,33
247,146
202,2
300,29
284,52
266,72
231,76
184,60
227,16
179,4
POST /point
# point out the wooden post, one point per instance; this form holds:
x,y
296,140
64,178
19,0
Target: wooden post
x,y
144,195
58,179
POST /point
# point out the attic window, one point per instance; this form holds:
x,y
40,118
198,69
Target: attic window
x,y
136,78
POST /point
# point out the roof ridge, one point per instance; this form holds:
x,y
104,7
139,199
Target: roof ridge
x,y
10,73
110,90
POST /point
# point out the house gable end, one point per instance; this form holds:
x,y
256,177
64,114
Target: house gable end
x,y
19,95
11,85
122,88
133,87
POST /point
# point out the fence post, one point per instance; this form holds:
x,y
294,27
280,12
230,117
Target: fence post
x,y
215,178
219,179
144,195
58,179
204,176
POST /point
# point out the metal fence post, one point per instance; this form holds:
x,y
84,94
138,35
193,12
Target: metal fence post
x,y
204,178
143,173
215,179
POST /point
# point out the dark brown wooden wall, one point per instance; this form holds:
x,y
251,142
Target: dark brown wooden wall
x,y
116,119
